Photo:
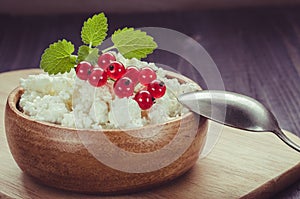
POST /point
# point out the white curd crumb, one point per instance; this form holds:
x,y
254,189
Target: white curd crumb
x,y
125,113
47,108
68,120
81,120
99,112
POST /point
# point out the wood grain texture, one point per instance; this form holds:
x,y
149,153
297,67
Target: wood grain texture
x,y
256,50
242,164
19,7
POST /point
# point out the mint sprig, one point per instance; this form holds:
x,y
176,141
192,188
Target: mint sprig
x,y
133,43
94,30
58,57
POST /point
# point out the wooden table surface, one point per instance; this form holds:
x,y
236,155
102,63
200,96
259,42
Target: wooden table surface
x,y
256,50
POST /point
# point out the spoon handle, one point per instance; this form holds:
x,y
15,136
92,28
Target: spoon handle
x,y
286,140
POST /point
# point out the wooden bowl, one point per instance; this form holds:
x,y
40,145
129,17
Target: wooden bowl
x,y
86,160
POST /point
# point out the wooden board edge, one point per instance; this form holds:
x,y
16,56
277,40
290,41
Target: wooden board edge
x,y
277,184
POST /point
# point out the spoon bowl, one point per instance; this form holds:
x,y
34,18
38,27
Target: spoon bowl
x,y
235,110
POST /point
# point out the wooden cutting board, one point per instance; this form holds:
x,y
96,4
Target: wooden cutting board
x,y
242,164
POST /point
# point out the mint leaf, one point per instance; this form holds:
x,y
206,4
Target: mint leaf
x,y
86,53
58,58
94,30
133,43
83,52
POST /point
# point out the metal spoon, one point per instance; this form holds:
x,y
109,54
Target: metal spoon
x,y
235,110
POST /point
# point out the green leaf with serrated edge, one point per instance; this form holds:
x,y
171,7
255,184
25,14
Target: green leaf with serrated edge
x,y
133,43
58,58
83,52
94,30
86,53
93,56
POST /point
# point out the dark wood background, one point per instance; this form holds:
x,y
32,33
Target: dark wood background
x,y
257,50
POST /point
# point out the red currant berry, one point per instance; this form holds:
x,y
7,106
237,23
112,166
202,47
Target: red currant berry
x,y
133,74
157,88
144,99
105,59
123,87
146,75
98,77
83,70
115,70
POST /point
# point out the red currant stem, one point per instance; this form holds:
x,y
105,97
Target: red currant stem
x,y
141,88
108,49
110,79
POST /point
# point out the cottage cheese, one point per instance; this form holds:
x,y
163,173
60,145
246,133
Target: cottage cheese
x,y
66,100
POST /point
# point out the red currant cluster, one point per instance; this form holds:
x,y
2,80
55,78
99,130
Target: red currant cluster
x,y
125,79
